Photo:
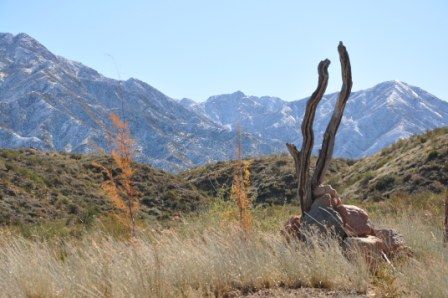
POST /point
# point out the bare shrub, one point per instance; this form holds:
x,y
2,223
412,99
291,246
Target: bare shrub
x,y
120,189
240,185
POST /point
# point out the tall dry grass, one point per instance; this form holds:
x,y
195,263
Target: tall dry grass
x,y
210,255
426,273
169,264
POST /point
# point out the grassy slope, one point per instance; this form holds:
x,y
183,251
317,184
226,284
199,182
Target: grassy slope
x,y
36,185
272,178
418,164
415,165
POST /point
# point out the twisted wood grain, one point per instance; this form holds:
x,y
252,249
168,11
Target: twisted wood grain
x,y
326,151
303,176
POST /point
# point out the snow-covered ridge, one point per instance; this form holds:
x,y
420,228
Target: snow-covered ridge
x,y
52,103
374,118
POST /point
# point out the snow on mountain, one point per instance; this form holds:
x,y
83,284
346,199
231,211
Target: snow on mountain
x,y
374,118
267,117
52,103
377,117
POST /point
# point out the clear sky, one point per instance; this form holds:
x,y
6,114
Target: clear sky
x,y
196,49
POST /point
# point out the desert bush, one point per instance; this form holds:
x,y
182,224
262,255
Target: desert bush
x,y
119,186
385,182
432,155
366,177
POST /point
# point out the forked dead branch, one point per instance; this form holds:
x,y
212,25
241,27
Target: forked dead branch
x,y
307,186
322,208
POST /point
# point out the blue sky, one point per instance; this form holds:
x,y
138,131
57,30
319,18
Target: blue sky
x,y
196,49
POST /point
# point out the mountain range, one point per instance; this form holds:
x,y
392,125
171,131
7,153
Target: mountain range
x,y
51,103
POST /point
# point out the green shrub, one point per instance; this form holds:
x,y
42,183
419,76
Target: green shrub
x,y
385,182
432,155
366,178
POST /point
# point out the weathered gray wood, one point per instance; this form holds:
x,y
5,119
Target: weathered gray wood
x,y
295,155
326,151
304,187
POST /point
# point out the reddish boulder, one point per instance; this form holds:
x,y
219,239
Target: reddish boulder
x,y
393,241
325,189
371,247
326,195
324,201
356,220
292,228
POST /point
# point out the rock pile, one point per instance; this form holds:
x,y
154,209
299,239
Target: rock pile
x,y
350,224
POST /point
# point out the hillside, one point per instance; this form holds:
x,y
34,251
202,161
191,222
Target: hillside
x,y
55,104
417,164
36,186
272,178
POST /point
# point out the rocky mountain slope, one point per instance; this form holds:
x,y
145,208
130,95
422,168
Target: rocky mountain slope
x,y
51,103
373,119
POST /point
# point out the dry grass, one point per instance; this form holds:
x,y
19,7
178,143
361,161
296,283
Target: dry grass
x,y
170,264
209,255
426,274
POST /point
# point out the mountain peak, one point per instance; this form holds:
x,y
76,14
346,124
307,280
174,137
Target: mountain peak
x,y
26,41
24,36
239,93
67,107
24,49
391,84
396,88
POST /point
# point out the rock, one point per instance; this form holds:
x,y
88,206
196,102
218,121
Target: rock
x,y
323,191
324,221
324,201
371,247
393,241
356,220
291,228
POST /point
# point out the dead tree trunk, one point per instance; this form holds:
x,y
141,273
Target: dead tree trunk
x,y
326,152
302,157
306,186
